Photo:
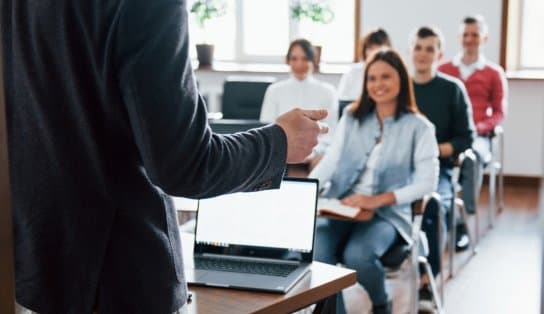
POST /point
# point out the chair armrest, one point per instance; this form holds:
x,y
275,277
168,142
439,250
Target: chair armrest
x,y
498,131
468,153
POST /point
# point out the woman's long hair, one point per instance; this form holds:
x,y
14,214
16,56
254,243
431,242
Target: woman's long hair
x,y
405,99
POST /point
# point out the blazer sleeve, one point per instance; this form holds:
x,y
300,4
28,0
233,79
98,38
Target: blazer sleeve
x,y
168,117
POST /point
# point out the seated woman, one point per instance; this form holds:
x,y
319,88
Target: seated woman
x,y
301,90
383,157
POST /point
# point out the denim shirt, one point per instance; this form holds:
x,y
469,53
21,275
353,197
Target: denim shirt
x,y
408,164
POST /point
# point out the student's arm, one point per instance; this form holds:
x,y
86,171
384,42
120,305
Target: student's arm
x,y
463,123
370,202
168,117
498,100
425,176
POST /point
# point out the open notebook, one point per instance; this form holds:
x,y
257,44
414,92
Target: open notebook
x,y
333,208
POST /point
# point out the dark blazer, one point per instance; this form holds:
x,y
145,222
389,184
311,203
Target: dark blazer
x,y
104,121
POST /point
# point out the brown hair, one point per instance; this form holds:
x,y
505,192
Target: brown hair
x,y
405,99
377,37
425,32
306,46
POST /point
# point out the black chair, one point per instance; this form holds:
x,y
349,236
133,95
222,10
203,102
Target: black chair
x,y
243,96
229,126
394,258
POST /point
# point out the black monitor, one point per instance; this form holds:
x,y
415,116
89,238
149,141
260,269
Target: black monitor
x,y
243,97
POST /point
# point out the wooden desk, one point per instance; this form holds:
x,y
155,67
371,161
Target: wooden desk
x,y
323,282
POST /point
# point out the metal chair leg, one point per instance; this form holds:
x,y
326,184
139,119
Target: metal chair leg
x,y
451,244
461,206
442,277
492,190
501,172
423,261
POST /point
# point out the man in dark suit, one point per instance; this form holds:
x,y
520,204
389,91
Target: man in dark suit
x,y
104,121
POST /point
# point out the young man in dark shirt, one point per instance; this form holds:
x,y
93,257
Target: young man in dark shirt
x,y
443,100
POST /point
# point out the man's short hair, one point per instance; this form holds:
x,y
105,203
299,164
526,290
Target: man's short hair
x,y
477,19
427,31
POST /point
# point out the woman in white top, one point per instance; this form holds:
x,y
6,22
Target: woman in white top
x,y
301,90
351,83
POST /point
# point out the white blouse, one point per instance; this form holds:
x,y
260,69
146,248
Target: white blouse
x,y
351,83
309,93
365,185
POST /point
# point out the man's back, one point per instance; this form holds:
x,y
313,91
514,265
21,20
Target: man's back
x,y
103,116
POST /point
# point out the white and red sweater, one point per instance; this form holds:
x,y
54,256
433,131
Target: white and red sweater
x,y
487,90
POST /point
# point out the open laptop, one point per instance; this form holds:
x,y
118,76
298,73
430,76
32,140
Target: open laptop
x,y
256,240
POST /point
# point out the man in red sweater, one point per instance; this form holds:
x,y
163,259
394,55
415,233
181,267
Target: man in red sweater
x,y
487,89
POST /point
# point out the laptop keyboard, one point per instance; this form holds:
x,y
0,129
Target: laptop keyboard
x,y
247,267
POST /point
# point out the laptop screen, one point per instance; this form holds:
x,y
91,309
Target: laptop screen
x,y
269,223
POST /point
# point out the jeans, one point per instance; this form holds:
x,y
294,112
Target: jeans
x,y
431,220
470,183
359,246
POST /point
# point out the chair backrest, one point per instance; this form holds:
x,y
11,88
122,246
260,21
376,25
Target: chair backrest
x,y
229,126
243,96
7,272
341,105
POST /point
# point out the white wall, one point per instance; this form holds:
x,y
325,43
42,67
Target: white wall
x,y
524,128
400,17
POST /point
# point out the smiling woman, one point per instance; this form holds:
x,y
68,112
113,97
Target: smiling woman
x,y
383,157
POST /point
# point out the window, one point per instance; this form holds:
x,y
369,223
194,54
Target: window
x,y
532,41
260,31
221,31
525,43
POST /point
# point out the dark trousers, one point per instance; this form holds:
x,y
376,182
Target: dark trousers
x,y
433,218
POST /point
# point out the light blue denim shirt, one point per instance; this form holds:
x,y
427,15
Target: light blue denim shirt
x,y
408,164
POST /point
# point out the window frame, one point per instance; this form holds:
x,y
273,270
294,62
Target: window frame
x,y
240,56
511,37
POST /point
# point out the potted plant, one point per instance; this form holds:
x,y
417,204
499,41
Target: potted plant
x,y
317,11
204,11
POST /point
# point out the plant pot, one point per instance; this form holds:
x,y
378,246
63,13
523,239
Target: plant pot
x,y
317,57
204,54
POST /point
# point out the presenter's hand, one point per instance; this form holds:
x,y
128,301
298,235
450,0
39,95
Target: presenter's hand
x,y
301,128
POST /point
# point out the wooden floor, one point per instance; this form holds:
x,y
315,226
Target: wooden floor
x,y
504,275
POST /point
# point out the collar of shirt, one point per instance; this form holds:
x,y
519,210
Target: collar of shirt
x,y
309,79
466,70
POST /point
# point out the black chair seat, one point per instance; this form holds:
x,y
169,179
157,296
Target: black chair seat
x,y
396,255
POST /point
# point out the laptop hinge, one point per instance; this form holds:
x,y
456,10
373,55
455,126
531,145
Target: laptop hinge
x,y
248,259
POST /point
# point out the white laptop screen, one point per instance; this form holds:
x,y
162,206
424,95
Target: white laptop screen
x,y
283,218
